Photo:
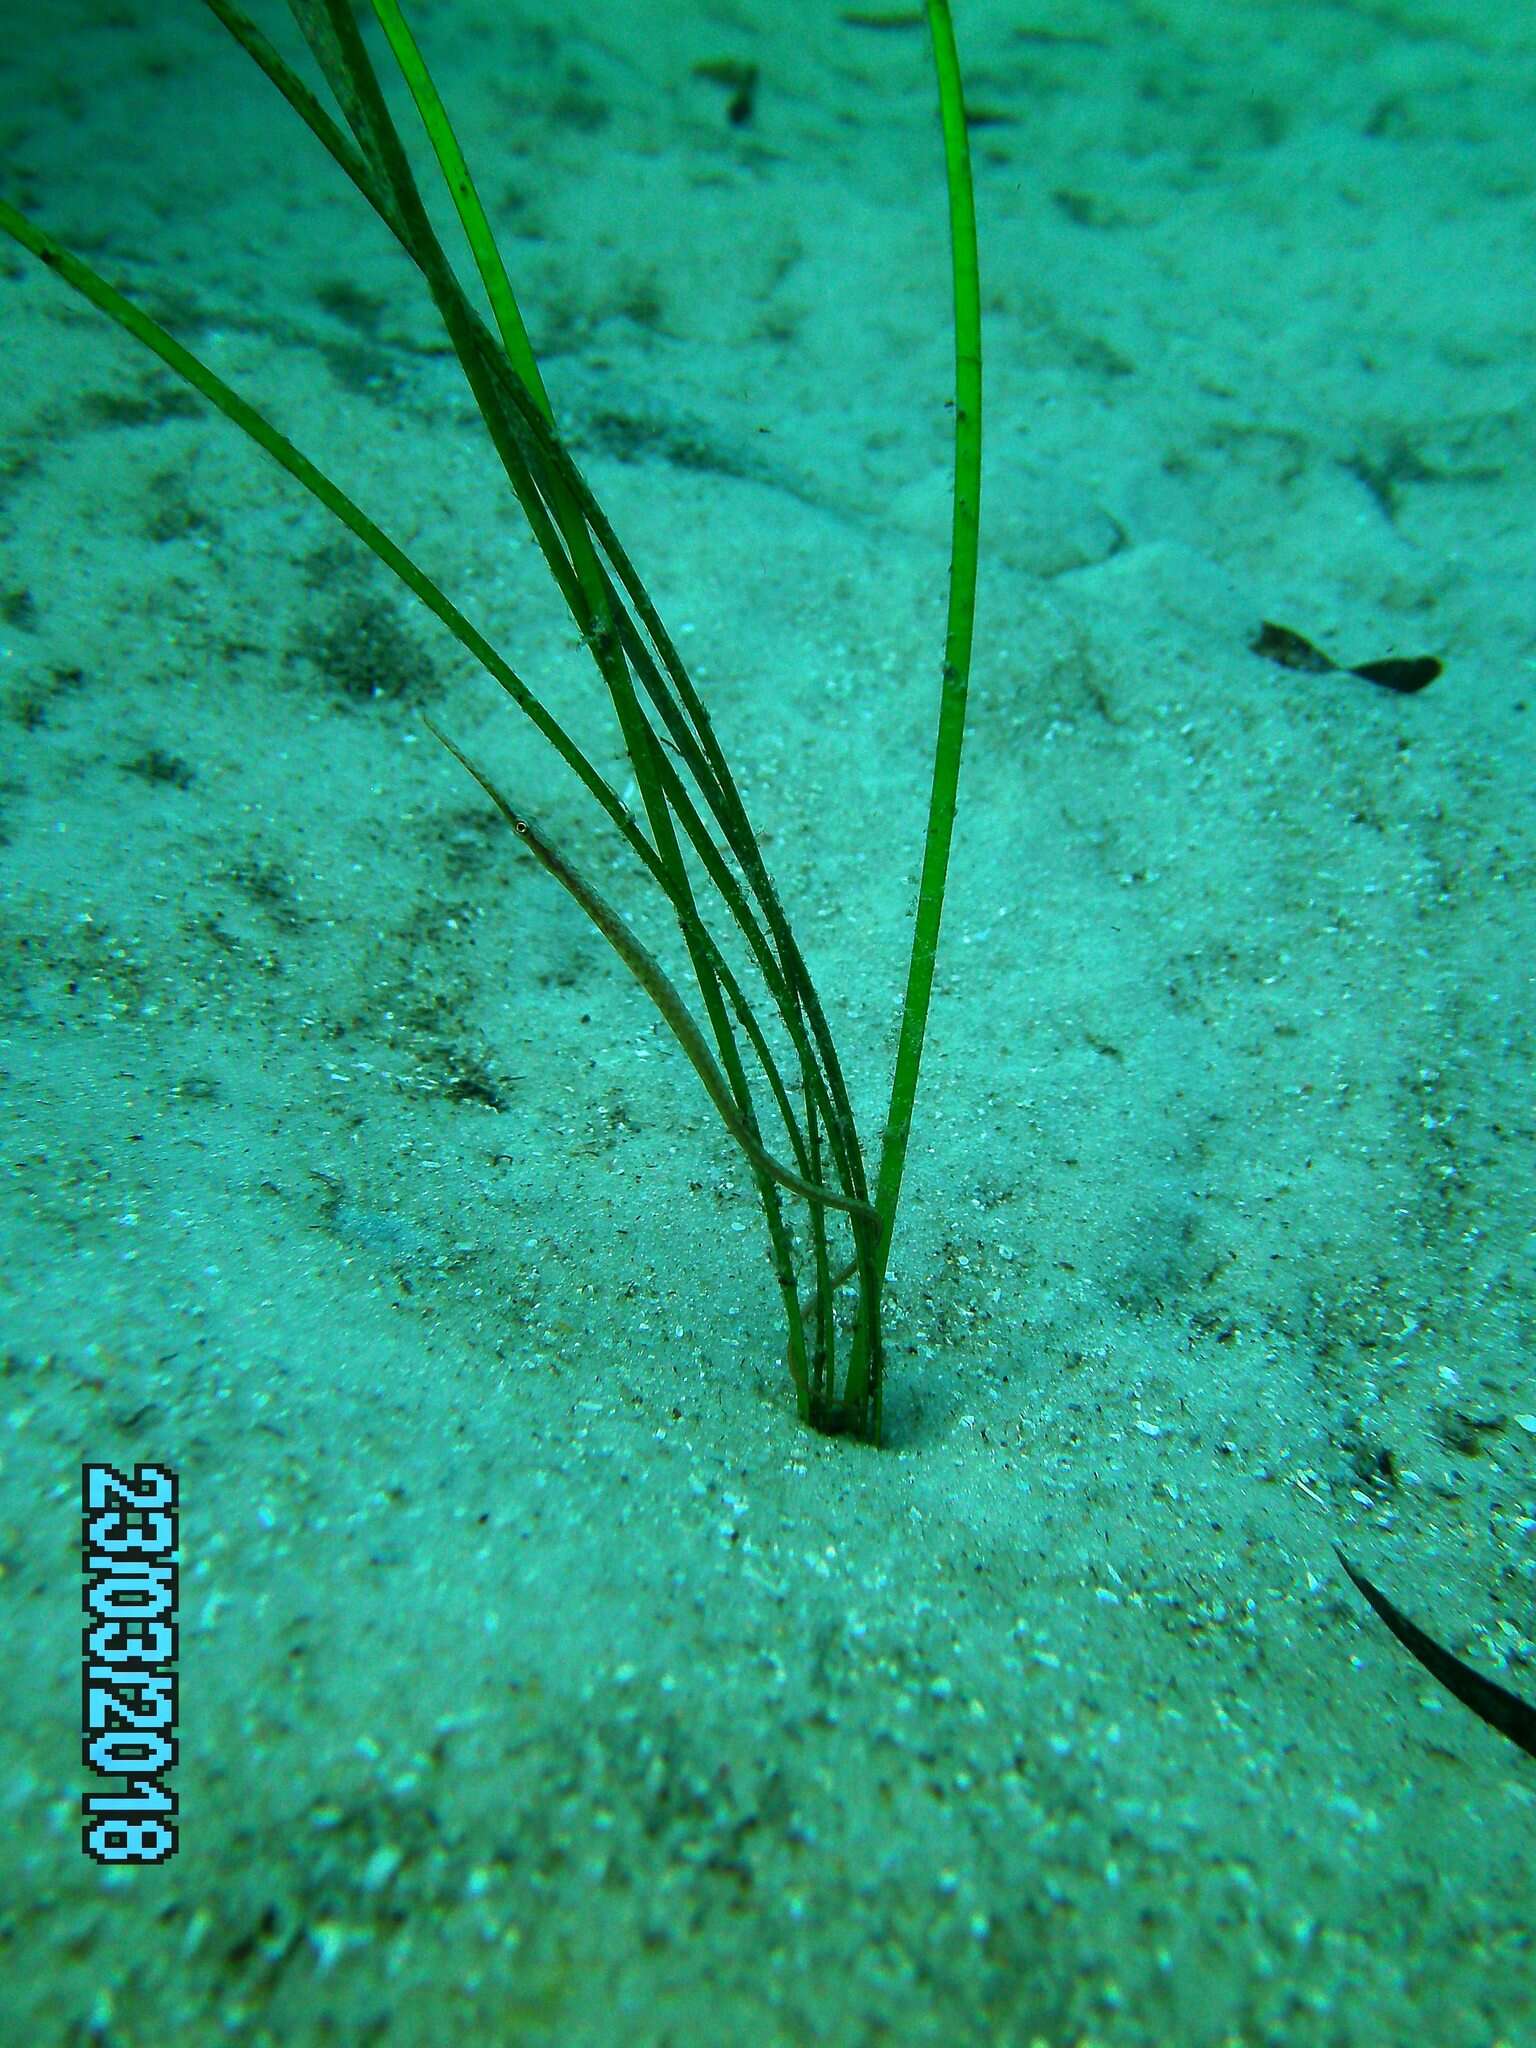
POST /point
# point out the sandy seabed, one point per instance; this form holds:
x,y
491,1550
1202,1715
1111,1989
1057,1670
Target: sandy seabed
x,y
542,1681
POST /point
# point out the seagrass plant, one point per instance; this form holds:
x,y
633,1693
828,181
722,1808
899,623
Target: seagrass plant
x,y
762,1050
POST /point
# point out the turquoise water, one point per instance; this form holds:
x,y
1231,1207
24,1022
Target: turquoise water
x,y
541,1680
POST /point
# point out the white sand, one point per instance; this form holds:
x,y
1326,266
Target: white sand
x,y
543,1681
